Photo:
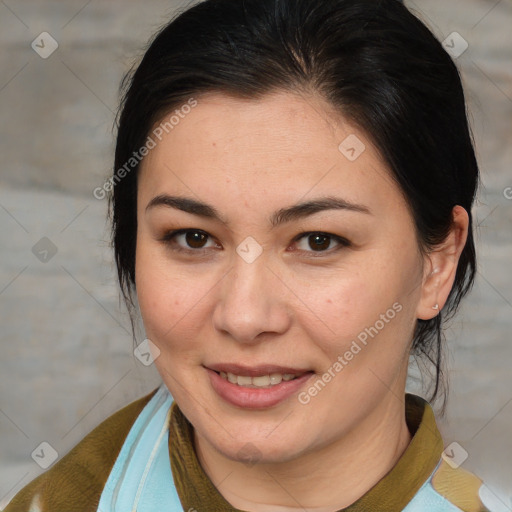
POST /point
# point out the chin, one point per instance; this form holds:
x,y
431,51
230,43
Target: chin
x,y
251,450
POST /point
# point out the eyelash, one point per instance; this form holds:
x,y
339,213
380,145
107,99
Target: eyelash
x,y
169,239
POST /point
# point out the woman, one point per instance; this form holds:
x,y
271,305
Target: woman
x,y
291,212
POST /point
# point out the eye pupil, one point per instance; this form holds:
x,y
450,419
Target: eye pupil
x,y
195,239
320,242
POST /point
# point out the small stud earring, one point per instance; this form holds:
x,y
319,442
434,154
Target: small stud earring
x,y
436,306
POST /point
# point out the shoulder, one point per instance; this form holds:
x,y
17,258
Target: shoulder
x,y
450,489
77,480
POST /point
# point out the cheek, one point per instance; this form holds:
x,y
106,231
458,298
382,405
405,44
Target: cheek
x,y
369,302
173,299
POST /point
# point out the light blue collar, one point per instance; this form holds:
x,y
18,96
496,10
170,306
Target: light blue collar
x,y
141,479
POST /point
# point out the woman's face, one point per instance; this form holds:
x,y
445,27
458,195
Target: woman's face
x,y
264,288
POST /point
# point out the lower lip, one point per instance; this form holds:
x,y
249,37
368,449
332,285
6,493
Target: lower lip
x,y
254,398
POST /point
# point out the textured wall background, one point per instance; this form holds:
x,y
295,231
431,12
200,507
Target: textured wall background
x,y
66,351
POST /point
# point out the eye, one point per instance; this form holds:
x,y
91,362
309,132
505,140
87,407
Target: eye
x,y
187,240
319,242
195,241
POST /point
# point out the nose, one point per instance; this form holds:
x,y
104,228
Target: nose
x,y
252,302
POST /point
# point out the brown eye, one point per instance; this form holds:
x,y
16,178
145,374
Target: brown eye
x,y
318,242
196,239
187,240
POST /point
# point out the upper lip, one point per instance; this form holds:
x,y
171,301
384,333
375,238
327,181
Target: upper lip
x,y
255,371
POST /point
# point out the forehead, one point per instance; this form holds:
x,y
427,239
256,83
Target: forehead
x,y
277,149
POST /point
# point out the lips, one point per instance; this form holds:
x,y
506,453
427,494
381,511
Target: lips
x,y
256,371
246,386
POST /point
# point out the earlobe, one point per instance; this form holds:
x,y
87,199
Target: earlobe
x,y
441,267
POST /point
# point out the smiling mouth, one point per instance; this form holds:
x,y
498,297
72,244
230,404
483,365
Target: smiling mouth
x,y
261,381
256,387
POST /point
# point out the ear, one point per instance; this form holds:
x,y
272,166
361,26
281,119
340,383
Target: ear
x,y
440,267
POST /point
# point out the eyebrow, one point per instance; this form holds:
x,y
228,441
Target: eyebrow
x,y
281,216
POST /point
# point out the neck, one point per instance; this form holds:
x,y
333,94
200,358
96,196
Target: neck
x,y
356,462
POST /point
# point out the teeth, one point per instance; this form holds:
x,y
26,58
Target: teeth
x,y
262,381
232,378
243,381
